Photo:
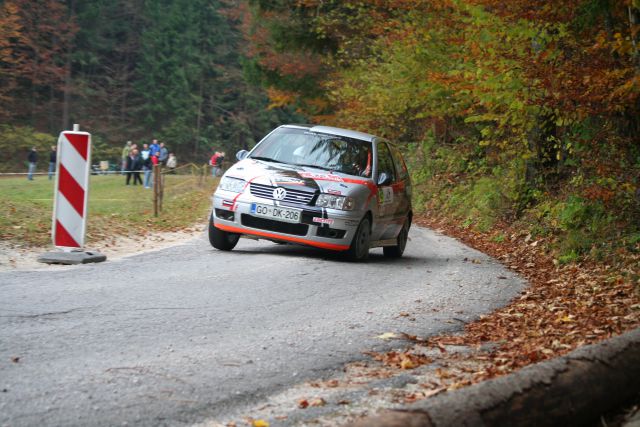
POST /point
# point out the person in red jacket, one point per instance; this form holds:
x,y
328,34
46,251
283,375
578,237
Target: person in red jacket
x,y
213,162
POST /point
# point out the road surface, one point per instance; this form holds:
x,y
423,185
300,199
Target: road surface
x,y
188,333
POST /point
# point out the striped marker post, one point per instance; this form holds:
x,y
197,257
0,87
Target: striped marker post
x,y
71,190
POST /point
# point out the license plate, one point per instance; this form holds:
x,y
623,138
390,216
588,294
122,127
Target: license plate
x,y
276,212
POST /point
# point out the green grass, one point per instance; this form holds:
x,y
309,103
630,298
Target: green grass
x,y
114,209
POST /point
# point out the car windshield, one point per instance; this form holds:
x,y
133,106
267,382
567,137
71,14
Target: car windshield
x,y
300,147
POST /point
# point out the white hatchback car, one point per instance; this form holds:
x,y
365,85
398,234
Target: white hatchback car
x,y
319,186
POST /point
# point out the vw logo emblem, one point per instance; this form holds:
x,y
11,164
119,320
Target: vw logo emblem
x,y
279,193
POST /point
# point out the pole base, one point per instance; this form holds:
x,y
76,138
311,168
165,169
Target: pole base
x,y
71,258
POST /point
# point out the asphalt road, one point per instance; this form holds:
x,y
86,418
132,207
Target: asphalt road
x,y
188,333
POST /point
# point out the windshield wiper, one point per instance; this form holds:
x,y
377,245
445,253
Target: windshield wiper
x,y
266,159
314,166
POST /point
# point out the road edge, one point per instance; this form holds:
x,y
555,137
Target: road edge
x,y
574,389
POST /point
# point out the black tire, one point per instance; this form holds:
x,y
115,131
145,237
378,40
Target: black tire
x,y
359,249
221,239
398,250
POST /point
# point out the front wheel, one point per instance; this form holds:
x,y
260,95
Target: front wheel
x,y
398,250
221,239
359,249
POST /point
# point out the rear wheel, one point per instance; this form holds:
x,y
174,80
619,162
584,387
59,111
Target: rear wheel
x,y
403,236
359,249
221,240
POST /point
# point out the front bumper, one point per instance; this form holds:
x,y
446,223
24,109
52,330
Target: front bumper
x,y
322,228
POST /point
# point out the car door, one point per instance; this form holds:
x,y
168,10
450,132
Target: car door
x,y
387,203
401,190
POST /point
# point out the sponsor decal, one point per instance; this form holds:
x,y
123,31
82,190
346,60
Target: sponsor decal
x,y
385,195
227,203
334,192
321,176
328,221
287,180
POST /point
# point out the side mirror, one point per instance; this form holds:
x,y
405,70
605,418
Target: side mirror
x,y
384,179
241,154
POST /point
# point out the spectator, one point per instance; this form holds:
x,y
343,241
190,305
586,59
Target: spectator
x,y
213,162
146,169
172,162
219,161
164,154
52,161
146,152
154,148
125,153
32,158
134,163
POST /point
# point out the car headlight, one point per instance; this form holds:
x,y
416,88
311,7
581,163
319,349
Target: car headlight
x,y
232,184
336,202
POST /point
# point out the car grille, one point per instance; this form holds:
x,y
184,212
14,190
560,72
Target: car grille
x,y
272,225
293,196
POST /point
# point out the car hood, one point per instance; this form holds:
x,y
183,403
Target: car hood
x,y
296,177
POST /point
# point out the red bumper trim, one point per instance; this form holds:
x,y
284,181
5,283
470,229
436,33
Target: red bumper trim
x,y
330,246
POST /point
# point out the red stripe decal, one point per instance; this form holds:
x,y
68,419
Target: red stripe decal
x,y
321,245
71,190
79,142
63,238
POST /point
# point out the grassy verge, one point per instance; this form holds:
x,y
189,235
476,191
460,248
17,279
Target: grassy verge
x,y
114,209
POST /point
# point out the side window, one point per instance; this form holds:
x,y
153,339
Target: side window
x,y
401,167
385,161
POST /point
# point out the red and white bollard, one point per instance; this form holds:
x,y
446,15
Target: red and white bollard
x,y
71,195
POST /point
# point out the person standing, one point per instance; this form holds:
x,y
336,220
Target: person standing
x,y
213,161
52,161
154,148
125,153
32,158
133,167
164,154
147,166
219,161
145,163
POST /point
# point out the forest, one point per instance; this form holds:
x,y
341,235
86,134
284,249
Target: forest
x,y
127,70
518,112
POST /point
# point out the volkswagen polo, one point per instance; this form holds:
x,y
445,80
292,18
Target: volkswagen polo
x,y
320,186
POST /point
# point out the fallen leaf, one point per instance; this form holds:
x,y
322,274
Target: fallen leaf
x,y
318,401
388,336
260,423
407,363
303,403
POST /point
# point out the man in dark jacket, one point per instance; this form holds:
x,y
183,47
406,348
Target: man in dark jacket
x,y
32,158
134,164
52,161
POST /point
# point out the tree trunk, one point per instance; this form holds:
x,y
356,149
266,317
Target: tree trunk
x,y
576,390
634,21
66,97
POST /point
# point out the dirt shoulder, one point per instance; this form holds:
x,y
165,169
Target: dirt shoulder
x,y
14,257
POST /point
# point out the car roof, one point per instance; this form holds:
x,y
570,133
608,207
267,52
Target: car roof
x,y
337,131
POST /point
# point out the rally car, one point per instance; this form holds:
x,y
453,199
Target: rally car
x,y
320,186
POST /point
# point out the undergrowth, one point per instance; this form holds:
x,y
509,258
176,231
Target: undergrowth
x,y
578,215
